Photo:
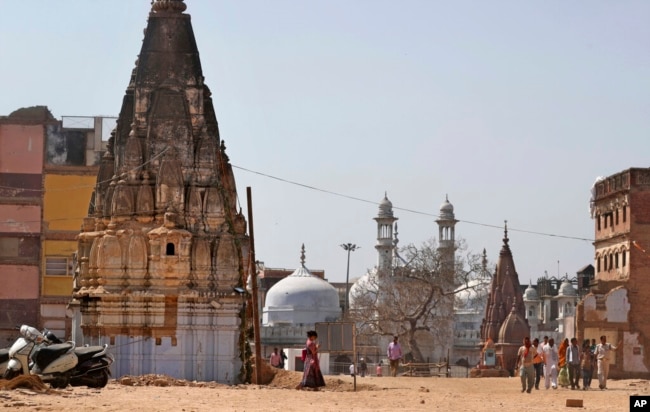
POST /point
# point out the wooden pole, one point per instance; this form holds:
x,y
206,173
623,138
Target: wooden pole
x,y
256,310
354,354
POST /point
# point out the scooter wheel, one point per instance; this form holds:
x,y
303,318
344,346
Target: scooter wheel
x,y
9,374
60,383
101,380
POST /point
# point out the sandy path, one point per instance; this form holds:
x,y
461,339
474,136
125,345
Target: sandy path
x,y
403,394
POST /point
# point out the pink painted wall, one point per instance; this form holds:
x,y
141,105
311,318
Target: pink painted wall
x,y
19,282
22,149
20,219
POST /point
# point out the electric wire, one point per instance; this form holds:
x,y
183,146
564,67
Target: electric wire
x,y
532,232
305,186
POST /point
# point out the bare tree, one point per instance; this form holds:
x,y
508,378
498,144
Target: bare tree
x,y
416,299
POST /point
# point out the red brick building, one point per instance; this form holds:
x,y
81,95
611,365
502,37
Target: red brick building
x,y
617,305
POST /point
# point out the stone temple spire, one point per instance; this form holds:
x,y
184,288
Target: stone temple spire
x,y
164,237
505,314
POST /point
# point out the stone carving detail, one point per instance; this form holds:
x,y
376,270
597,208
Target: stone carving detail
x,y
122,201
169,195
201,263
214,212
136,261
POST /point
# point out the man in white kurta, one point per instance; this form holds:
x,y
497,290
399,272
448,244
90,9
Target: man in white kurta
x,y
551,359
603,351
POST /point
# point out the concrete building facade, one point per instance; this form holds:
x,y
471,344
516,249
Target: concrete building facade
x,y
47,169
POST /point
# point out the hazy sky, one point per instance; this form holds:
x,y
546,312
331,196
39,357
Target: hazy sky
x,y
512,108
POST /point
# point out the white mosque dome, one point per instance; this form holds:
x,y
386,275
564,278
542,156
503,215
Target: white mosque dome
x,y
530,293
365,285
472,296
567,289
301,298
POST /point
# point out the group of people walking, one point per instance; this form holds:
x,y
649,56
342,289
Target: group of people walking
x,y
565,365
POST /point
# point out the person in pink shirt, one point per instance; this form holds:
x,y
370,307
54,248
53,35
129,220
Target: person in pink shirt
x,y
275,359
379,371
394,355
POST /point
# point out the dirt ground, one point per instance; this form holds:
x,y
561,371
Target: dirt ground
x,y
161,393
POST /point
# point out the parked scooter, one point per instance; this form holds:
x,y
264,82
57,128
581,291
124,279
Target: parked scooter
x,y
4,352
58,364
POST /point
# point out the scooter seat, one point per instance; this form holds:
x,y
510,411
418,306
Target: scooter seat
x,y
47,354
87,352
4,355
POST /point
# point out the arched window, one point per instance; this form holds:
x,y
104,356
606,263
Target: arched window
x,y
171,249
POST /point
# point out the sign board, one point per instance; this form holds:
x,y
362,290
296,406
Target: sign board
x,y
489,357
336,336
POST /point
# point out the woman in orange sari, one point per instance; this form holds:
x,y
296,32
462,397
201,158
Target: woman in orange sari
x,y
563,374
312,376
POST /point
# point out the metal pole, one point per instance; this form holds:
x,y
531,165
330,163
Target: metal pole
x,y
348,247
256,315
347,284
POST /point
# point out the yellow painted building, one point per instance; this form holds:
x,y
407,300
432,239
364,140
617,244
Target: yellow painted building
x,y
65,201
49,169
66,194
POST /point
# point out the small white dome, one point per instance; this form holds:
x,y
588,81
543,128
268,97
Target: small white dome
x,y
385,207
567,289
446,210
530,293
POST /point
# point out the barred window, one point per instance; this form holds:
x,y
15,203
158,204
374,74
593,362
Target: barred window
x,y
58,266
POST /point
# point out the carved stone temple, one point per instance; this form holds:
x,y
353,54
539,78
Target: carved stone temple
x,y
163,251
505,323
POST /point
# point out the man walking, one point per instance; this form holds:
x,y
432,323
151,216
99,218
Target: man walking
x,y
602,355
394,355
538,362
573,362
524,365
551,359
275,359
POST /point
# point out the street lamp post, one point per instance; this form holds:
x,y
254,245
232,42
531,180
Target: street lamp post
x,y
348,247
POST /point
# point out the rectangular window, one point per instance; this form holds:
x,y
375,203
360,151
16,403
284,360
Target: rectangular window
x,y
624,257
598,219
617,216
57,266
624,213
598,264
616,260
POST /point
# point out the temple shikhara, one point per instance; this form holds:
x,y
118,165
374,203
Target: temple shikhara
x,y
162,254
505,325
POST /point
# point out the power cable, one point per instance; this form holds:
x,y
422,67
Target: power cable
x,y
532,232
310,187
